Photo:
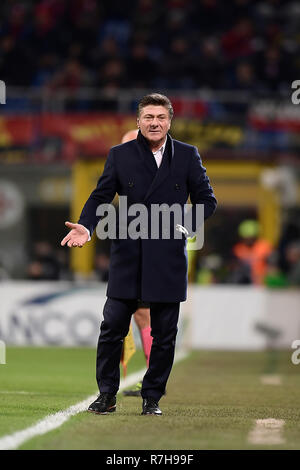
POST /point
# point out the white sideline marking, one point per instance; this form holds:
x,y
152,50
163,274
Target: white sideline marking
x,y
267,431
50,422
53,421
271,379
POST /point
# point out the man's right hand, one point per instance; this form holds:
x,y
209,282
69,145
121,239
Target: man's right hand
x,y
77,236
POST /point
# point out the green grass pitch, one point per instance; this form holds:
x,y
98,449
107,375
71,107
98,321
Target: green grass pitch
x,y
213,399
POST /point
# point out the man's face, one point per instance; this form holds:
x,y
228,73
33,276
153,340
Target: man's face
x,y
154,123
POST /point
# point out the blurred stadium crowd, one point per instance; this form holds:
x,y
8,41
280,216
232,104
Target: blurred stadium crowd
x,y
244,56
243,45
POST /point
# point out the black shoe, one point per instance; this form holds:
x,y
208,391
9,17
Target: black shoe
x,y
105,403
134,392
150,407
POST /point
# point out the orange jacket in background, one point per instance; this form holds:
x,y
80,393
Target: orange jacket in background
x,y
256,256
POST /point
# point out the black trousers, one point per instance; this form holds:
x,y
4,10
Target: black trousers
x,y
117,316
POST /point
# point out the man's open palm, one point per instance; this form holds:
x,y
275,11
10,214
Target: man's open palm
x,y
77,236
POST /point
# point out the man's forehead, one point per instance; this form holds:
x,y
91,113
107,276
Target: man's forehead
x,y
155,110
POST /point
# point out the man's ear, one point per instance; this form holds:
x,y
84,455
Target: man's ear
x,y
138,123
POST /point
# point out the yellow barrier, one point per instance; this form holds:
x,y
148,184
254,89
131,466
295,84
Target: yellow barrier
x,y
84,179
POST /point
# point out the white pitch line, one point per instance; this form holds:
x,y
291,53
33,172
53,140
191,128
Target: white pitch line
x,y
267,431
53,421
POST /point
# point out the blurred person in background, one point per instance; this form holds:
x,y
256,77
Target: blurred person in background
x,y
290,276
251,254
293,259
178,66
44,264
139,64
4,274
209,70
274,277
142,315
290,234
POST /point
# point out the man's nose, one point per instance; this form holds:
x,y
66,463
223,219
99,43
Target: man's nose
x,y
154,123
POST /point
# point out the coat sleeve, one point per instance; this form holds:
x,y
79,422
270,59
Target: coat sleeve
x,y
200,190
103,193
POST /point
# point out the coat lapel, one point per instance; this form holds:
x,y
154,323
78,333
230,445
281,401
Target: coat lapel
x,y
164,170
146,155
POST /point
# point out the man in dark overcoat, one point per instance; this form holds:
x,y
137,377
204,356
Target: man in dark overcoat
x,y
152,170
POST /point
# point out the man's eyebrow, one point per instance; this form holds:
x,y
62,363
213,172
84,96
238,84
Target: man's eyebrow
x,y
152,115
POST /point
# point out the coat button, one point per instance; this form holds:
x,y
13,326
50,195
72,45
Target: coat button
x,y
177,186
130,184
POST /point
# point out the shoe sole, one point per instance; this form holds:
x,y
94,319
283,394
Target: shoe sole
x,y
151,414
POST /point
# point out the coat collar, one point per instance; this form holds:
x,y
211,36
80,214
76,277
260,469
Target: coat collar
x,y
143,143
146,154
161,173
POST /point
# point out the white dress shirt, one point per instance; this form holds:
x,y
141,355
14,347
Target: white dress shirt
x,y
158,155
